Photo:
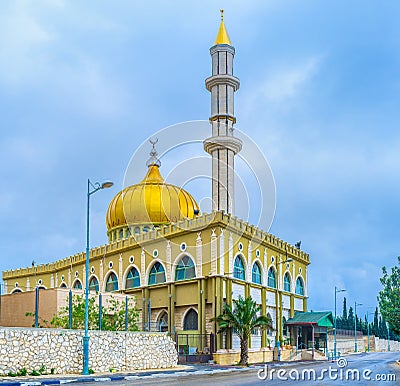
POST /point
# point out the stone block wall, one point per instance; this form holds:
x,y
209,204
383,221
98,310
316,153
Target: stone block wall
x,y
62,350
382,345
345,344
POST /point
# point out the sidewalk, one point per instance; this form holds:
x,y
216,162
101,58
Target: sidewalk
x,y
180,370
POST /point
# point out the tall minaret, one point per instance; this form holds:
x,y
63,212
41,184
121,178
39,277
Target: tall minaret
x,y
222,146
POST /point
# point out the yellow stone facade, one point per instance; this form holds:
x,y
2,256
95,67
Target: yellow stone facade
x,y
212,241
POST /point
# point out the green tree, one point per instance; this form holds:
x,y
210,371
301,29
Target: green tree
x,y
61,320
242,318
113,315
375,325
350,319
344,314
389,297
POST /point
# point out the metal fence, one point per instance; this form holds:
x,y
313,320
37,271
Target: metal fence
x,y
340,331
193,348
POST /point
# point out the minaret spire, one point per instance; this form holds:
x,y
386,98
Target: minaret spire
x,y
222,36
222,145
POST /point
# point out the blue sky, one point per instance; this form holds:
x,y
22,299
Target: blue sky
x,y
83,84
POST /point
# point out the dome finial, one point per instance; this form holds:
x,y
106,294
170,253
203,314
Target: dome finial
x,y
153,160
222,36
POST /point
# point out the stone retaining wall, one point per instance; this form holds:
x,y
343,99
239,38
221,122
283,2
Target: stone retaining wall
x,y
32,348
382,345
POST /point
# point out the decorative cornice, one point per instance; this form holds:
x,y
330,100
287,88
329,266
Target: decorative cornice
x,y
223,79
222,142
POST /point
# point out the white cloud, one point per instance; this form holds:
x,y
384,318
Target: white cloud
x,y
283,84
21,38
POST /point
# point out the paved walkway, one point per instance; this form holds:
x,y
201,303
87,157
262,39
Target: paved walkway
x,y
136,375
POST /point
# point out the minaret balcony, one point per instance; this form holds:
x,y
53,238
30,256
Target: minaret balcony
x,y
221,143
222,79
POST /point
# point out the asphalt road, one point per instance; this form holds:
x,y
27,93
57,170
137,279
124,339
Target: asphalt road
x,y
360,369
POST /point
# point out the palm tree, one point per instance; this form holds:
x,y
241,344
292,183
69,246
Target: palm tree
x,y
242,318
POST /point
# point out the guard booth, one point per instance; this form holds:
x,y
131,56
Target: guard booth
x,y
309,330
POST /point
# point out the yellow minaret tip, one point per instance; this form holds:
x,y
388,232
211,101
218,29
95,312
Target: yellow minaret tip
x,y
222,36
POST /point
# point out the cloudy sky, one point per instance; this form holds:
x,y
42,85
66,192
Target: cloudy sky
x,y
83,84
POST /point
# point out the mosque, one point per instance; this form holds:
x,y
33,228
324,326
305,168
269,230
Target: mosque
x,y
182,265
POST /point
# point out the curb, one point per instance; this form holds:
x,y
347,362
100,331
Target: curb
x,y
126,377
138,376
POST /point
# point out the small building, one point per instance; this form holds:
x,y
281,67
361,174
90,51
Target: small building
x,y
309,330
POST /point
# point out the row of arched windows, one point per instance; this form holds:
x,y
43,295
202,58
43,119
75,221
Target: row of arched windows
x,y
190,321
185,270
239,272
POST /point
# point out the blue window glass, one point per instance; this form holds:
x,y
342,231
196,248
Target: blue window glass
x,y
238,269
286,282
256,274
299,286
185,269
77,284
157,274
271,278
93,284
112,282
133,279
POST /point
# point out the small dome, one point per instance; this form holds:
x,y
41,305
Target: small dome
x,y
152,201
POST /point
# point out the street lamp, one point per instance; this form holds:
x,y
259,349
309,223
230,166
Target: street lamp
x,y
91,188
355,324
334,331
368,313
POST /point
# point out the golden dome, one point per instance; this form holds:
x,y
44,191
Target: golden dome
x,y
152,201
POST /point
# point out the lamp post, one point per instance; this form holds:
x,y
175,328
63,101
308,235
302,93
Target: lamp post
x,y
368,313
334,331
91,188
355,324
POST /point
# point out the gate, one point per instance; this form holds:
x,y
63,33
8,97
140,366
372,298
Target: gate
x,y
194,348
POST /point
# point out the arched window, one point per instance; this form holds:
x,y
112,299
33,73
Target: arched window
x,y
157,274
162,322
238,269
146,229
299,286
271,278
256,273
112,282
17,290
94,284
284,327
286,282
77,284
63,285
132,279
136,230
185,269
121,233
191,320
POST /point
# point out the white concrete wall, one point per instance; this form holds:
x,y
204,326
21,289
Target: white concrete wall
x,y
382,345
345,344
32,348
